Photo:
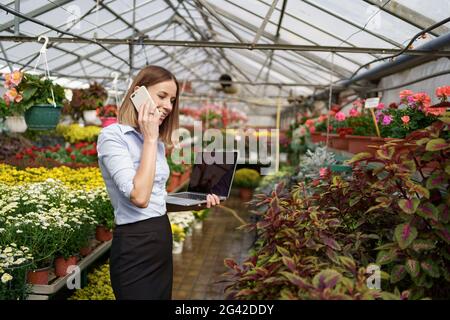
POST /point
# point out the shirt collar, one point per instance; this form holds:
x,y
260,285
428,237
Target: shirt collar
x,y
126,128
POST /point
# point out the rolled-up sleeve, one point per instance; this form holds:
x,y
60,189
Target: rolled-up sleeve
x,y
116,159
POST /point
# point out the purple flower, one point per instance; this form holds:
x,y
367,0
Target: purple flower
x,y
387,119
378,114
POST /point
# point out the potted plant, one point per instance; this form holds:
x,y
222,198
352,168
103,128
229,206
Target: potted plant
x,y
200,216
12,109
178,238
37,98
176,171
90,99
107,114
247,180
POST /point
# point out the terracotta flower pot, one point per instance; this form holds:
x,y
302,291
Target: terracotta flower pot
x,y
85,251
357,144
186,175
245,194
317,137
338,142
38,276
103,234
174,182
61,265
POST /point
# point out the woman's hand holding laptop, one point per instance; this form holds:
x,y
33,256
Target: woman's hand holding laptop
x,y
212,200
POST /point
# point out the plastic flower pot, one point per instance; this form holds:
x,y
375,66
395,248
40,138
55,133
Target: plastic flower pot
x,y
16,124
198,225
90,116
42,117
103,234
38,276
106,121
174,182
338,142
177,247
245,194
357,144
62,265
317,137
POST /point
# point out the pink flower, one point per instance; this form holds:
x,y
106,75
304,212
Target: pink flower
x,y
12,94
340,116
16,77
309,122
405,93
354,113
312,129
380,106
405,119
323,172
387,119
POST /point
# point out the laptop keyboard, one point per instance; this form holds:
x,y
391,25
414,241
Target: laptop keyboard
x,y
190,196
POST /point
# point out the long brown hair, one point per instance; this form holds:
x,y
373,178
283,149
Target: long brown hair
x,y
148,77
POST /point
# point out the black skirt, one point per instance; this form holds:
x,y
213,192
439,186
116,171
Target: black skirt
x,y
141,265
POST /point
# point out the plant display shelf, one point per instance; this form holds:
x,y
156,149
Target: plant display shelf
x,y
43,292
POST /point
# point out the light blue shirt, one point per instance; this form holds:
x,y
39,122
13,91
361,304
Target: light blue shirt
x,y
119,150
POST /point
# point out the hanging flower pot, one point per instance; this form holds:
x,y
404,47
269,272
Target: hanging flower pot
x,y
90,116
42,117
106,121
38,276
16,124
62,265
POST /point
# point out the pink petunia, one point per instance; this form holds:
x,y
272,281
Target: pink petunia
x,y
387,119
340,116
354,113
380,106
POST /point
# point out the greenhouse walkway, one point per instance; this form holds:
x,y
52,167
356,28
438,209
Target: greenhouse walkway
x,y
199,267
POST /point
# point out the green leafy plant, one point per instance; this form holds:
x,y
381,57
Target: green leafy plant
x,y
316,241
246,178
26,90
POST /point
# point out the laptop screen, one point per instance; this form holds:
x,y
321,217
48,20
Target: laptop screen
x,y
211,176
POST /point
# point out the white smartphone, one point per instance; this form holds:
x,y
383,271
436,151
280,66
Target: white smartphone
x,y
140,97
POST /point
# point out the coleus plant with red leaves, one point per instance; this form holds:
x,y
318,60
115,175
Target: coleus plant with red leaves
x,y
316,241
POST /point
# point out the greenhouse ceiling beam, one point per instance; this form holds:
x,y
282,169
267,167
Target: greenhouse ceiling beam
x,y
379,36
115,14
6,57
56,29
408,15
264,22
232,45
221,51
338,70
35,13
283,8
212,11
283,13
16,18
93,53
300,36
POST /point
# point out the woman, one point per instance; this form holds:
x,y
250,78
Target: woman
x,y
132,160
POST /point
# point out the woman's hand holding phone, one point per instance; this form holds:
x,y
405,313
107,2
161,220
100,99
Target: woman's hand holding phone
x,y
148,119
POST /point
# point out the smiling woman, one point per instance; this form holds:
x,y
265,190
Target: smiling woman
x,y
132,159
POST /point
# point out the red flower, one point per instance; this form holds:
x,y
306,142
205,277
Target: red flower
x,y
72,156
69,150
19,156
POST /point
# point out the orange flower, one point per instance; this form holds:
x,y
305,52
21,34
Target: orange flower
x,y
443,92
422,98
16,77
405,93
435,111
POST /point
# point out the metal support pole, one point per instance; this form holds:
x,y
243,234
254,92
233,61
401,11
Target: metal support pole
x,y
264,23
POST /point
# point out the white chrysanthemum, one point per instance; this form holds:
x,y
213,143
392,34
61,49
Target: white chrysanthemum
x,y
6,277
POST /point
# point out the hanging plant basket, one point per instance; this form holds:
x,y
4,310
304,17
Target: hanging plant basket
x,y
42,117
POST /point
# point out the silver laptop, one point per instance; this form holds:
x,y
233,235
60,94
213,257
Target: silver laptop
x,y
212,172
